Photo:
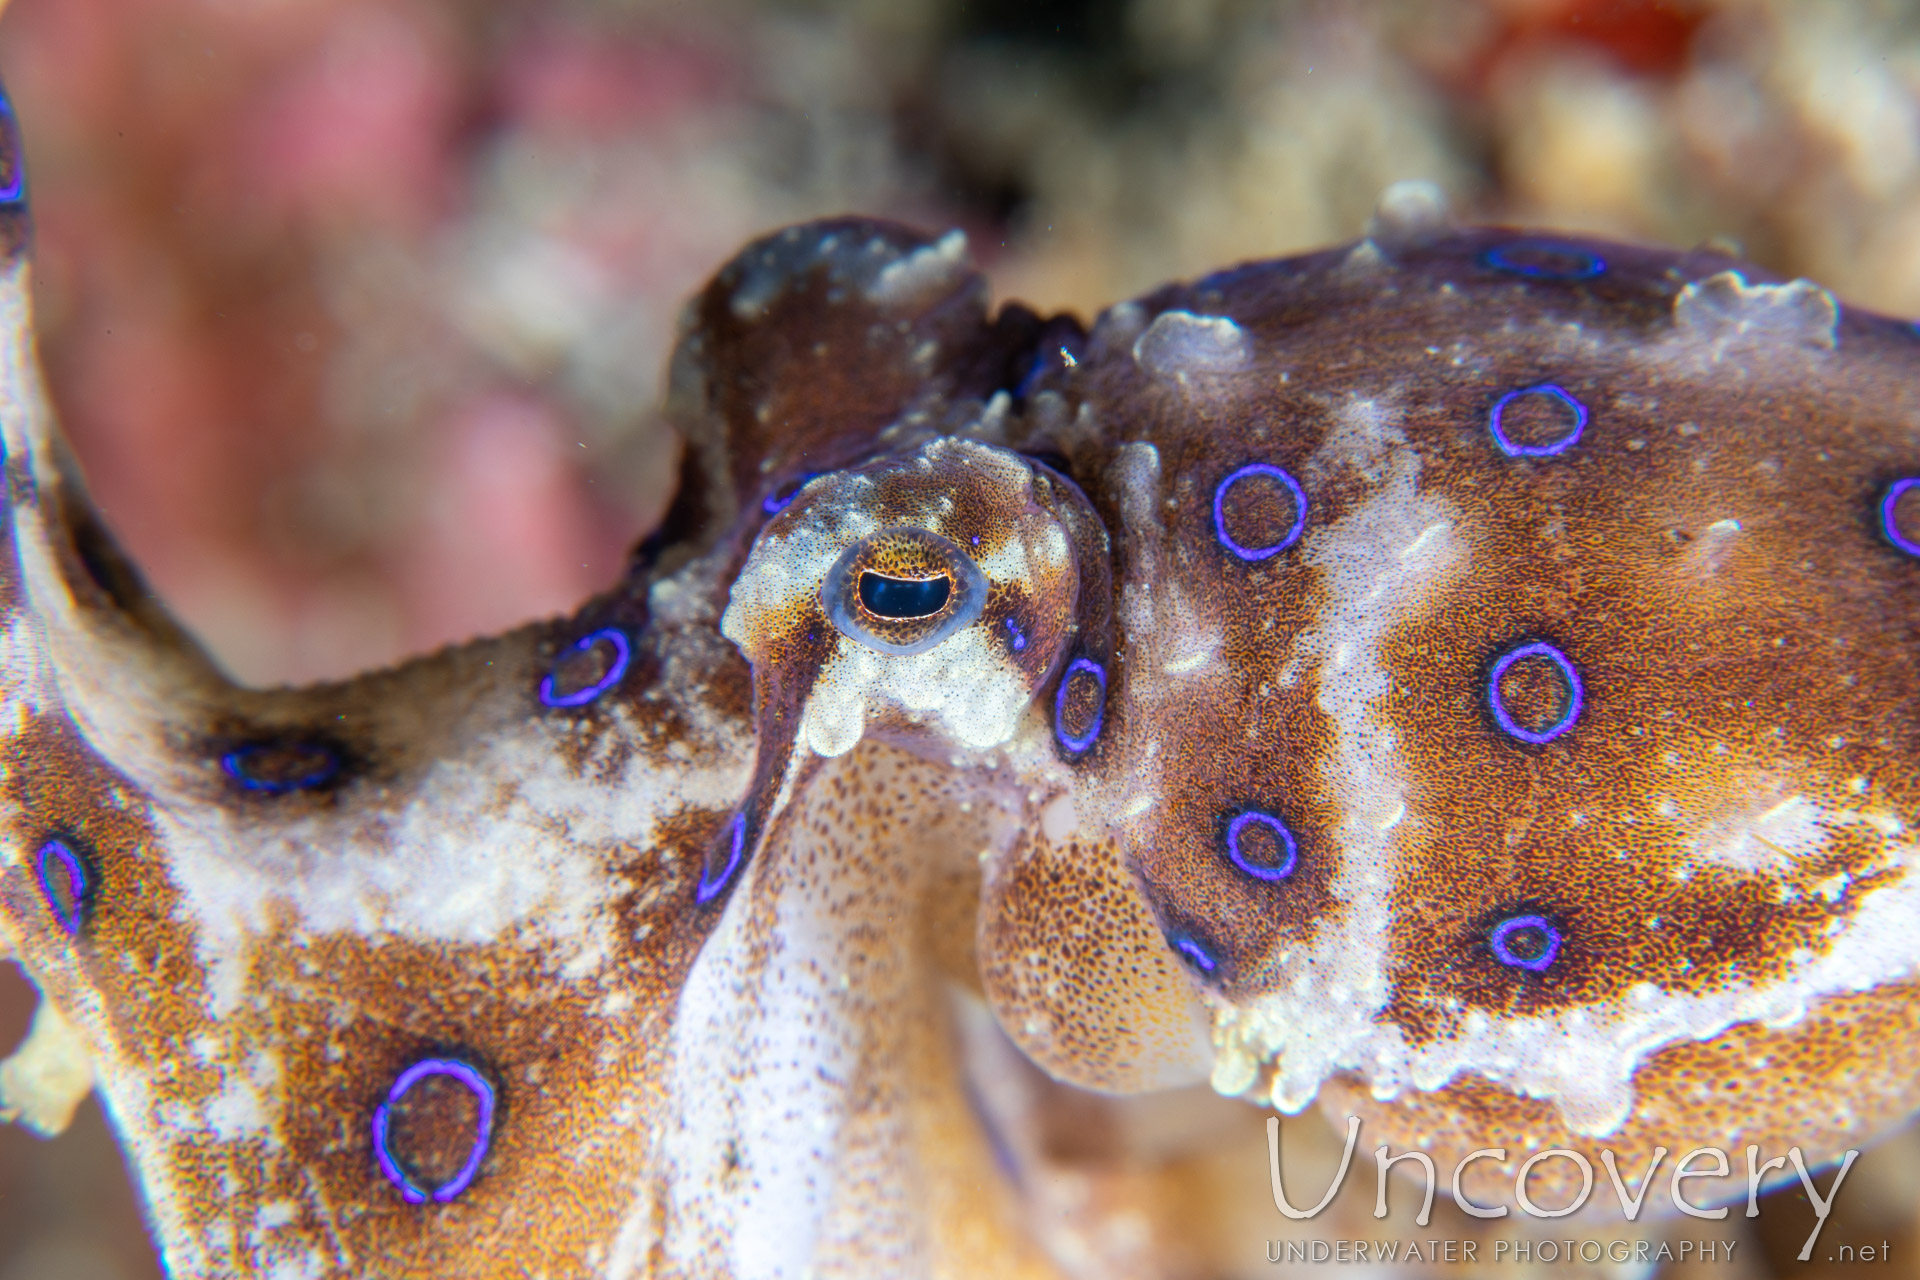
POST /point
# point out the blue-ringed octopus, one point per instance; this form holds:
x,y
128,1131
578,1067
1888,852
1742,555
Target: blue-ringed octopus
x,y
1463,678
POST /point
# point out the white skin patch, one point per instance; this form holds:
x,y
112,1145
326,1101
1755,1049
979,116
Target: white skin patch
x,y
1725,310
1179,346
964,683
1379,565
48,1076
922,271
772,1162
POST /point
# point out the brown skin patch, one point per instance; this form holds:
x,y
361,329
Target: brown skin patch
x,y
346,1015
1077,972
800,371
1248,741
562,1073
630,719
660,874
131,946
1182,849
1703,684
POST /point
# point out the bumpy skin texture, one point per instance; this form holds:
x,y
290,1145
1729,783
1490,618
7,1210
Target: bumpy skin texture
x,y
1464,676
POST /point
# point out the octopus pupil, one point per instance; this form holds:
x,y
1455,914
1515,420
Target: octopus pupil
x,y
885,597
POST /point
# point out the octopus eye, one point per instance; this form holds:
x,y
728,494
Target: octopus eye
x,y
902,591
1525,942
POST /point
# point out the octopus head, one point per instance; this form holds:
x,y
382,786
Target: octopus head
x,y
930,595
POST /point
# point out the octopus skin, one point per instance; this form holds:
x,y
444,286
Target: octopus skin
x,y
1464,677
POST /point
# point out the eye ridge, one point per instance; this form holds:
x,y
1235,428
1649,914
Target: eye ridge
x,y
885,596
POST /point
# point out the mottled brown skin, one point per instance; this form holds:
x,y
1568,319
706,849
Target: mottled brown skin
x,y
720,944
1822,579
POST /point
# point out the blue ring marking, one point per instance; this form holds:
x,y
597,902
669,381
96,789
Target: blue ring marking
x,y
1195,954
1587,264
774,503
1897,491
1019,640
236,763
1502,942
1033,374
707,890
622,657
10,126
1555,391
482,1091
1290,847
1228,276
68,918
1576,696
1072,743
1220,510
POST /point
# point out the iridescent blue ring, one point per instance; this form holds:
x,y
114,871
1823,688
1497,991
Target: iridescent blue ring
x,y
1888,524
76,874
1195,954
774,503
1290,849
1079,743
1576,696
1585,264
622,657
237,766
1557,392
10,129
482,1091
709,889
1220,510
1501,941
